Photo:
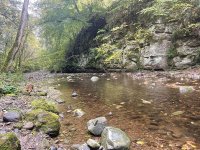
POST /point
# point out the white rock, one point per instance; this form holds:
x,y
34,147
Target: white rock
x,y
78,113
94,79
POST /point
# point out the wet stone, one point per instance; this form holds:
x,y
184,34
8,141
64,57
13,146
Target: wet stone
x,y
78,113
53,148
114,139
96,126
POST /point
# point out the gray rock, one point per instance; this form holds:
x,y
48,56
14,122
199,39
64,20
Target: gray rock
x,y
182,63
53,148
74,94
80,147
11,116
60,101
114,139
96,126
93,144
28,126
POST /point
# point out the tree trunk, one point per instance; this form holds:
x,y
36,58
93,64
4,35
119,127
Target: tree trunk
x,y
19,38
76,7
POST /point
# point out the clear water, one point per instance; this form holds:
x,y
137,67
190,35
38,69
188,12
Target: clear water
x,y
152,110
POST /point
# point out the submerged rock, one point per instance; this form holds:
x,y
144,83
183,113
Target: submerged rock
x,y
78,113
186,89
44,105
60,101
9,141
94,79
96,126
177,113
114,139
12,116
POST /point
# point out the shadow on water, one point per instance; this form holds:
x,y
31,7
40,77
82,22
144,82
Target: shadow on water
x,y
144,108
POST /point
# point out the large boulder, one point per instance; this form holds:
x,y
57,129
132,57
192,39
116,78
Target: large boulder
x,y
114,139
46,122
12,116
96,126
9,141
45,105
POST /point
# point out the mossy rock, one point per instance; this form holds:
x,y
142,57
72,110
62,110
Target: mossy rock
x,y
45,121
18,125
44,105
32,115
9,141
42,93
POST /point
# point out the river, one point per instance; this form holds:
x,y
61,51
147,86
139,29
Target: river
x,y
156,112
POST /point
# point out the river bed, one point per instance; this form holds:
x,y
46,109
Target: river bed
x,y
156,112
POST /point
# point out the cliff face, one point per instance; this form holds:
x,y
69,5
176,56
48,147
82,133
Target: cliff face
x,y
128,40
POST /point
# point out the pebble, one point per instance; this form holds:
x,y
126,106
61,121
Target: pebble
x,y
53,148
28,126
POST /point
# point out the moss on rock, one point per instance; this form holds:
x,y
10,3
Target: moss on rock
x,y
32,115
44,105
49,123
45,121
9,141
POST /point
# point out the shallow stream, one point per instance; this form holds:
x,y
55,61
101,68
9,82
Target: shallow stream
x,y
156,112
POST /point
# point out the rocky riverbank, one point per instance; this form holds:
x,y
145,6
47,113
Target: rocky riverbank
x,y
30,115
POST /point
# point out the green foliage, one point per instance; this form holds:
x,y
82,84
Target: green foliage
x,y
9,141
9,18
106,55
9,83
143,35
172,52
182,11
9,89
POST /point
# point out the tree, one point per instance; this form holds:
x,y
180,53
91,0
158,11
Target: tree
x,y
19,40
